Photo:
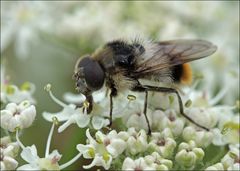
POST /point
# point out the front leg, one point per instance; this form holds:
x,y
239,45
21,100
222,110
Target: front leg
x,y
111,109
112,94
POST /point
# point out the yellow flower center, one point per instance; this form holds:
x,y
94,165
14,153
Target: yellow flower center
x,y
25,86
106,157
91,152
10,89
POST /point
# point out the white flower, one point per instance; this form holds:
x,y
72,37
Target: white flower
x,y
99,122
232,158
11,93
137,141
103,149
49,162
101,103
167,119
200,137
204,116
72,114
134,117
188,154
162,101
18,116
163,143
8,151
98,96
29,154
11,147
228,131
217,166
158,162
7,162
138,164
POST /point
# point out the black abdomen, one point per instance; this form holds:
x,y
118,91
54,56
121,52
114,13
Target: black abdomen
x,y
177,72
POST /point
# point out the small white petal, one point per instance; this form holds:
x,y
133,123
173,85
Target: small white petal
x,y
218,137
99,122
64,115
10,163
28,167
99,161
100,137
96,161
27,116
74,98
128,164
98,96
55,154
3,167
84,149
116,147
66,124
82,120
91,139
29,154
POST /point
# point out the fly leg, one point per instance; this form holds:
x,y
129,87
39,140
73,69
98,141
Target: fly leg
x,y
112,94
111,109
141,88
171,90
145,112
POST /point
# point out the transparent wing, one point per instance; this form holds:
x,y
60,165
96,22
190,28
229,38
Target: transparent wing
x,y
166,54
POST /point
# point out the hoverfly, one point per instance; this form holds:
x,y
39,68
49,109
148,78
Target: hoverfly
x,y
120,65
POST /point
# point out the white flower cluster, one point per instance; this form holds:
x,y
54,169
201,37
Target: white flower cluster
x,y
19,113
17,116
11,93
110,149
107,150
8,152
48,162
173,144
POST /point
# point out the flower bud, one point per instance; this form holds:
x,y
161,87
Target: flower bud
x,y
189,155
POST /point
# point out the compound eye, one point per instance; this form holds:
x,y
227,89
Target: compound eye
x,y
93,73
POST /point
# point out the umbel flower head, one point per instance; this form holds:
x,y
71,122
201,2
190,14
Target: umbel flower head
x,y
172,139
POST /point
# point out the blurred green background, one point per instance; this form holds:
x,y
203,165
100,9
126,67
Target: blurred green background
x,y
41,41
